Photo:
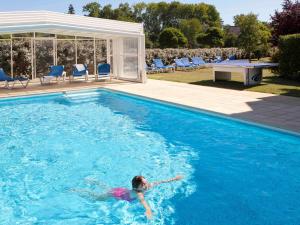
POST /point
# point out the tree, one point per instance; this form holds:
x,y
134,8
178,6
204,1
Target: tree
x,y
92,9
191,28
71,9
124,13
231,36
213,37
254,35
172,38
287,21
158,16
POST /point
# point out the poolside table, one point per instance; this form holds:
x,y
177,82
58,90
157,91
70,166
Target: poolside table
x,y
252,72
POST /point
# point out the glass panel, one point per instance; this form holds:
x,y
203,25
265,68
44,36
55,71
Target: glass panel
x,y
130,67
23,35
5,56
111,47
112,64
85,54
44,56
65,37
22,56
130,58
101,51
130,46
66,54
45,35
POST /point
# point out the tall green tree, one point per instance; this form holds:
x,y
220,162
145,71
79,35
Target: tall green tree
x,y
230,37
172,38
158,16
213,37
254,35
92,9
71,9
191,28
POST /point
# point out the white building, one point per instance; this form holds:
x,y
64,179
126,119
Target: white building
x,y
43,33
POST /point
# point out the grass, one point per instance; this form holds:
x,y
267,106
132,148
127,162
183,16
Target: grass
x,y
271,83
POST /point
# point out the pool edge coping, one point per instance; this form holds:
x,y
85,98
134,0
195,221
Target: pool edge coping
x,y
181,106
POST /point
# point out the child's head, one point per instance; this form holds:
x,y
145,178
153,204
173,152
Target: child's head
x,y
139,183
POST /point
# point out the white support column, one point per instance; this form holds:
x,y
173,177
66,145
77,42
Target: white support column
x,y
32,61
55,51
108,51
75,49
11,57
95,69
34,55
141,59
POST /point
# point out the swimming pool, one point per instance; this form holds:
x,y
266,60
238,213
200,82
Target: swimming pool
x,y
235,173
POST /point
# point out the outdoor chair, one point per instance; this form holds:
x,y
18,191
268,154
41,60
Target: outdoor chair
x,y
218,59
232,57
7,79
79,70
104,71
151,69
198,61
160,65
187,63
56,72
180,65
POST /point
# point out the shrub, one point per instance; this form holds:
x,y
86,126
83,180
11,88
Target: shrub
x,y
289,56
172,38
168,55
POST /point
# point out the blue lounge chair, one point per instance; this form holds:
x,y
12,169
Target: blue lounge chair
x,y
160,65
151,69
187,63
104,71
218,59
56,72
7,79
232,57
198,61
180,65
79,70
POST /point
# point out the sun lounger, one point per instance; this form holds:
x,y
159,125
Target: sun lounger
x,y
151,69
8,80
160,66
218,59
56,72
180,65
198,62
79,70
187,63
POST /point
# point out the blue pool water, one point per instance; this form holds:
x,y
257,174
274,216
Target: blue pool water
x,y
235,173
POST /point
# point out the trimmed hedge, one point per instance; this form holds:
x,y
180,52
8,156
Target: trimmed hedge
x,y
169,54
289,56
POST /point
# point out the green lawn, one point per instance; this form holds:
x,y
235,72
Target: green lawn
x,y
271,83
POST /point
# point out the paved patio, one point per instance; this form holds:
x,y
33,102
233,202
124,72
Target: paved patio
x,y
278,111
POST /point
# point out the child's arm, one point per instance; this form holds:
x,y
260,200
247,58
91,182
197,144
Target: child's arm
x,y
148,212
178,177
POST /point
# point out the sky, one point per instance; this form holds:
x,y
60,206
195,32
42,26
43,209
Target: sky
x,y
227,8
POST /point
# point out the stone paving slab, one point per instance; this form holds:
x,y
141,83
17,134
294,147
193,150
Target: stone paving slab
x,y
268,109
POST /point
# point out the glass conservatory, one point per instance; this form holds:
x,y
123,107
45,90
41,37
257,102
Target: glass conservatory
x,y
32,41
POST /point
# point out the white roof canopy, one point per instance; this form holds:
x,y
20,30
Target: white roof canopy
x,y
66,24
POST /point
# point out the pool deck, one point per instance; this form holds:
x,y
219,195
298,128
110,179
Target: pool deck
x,y
268,109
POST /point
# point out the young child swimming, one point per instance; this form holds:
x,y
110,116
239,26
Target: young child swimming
x,y
139,186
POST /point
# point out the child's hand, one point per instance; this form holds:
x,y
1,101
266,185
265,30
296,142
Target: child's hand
x,y
178,177
148,213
